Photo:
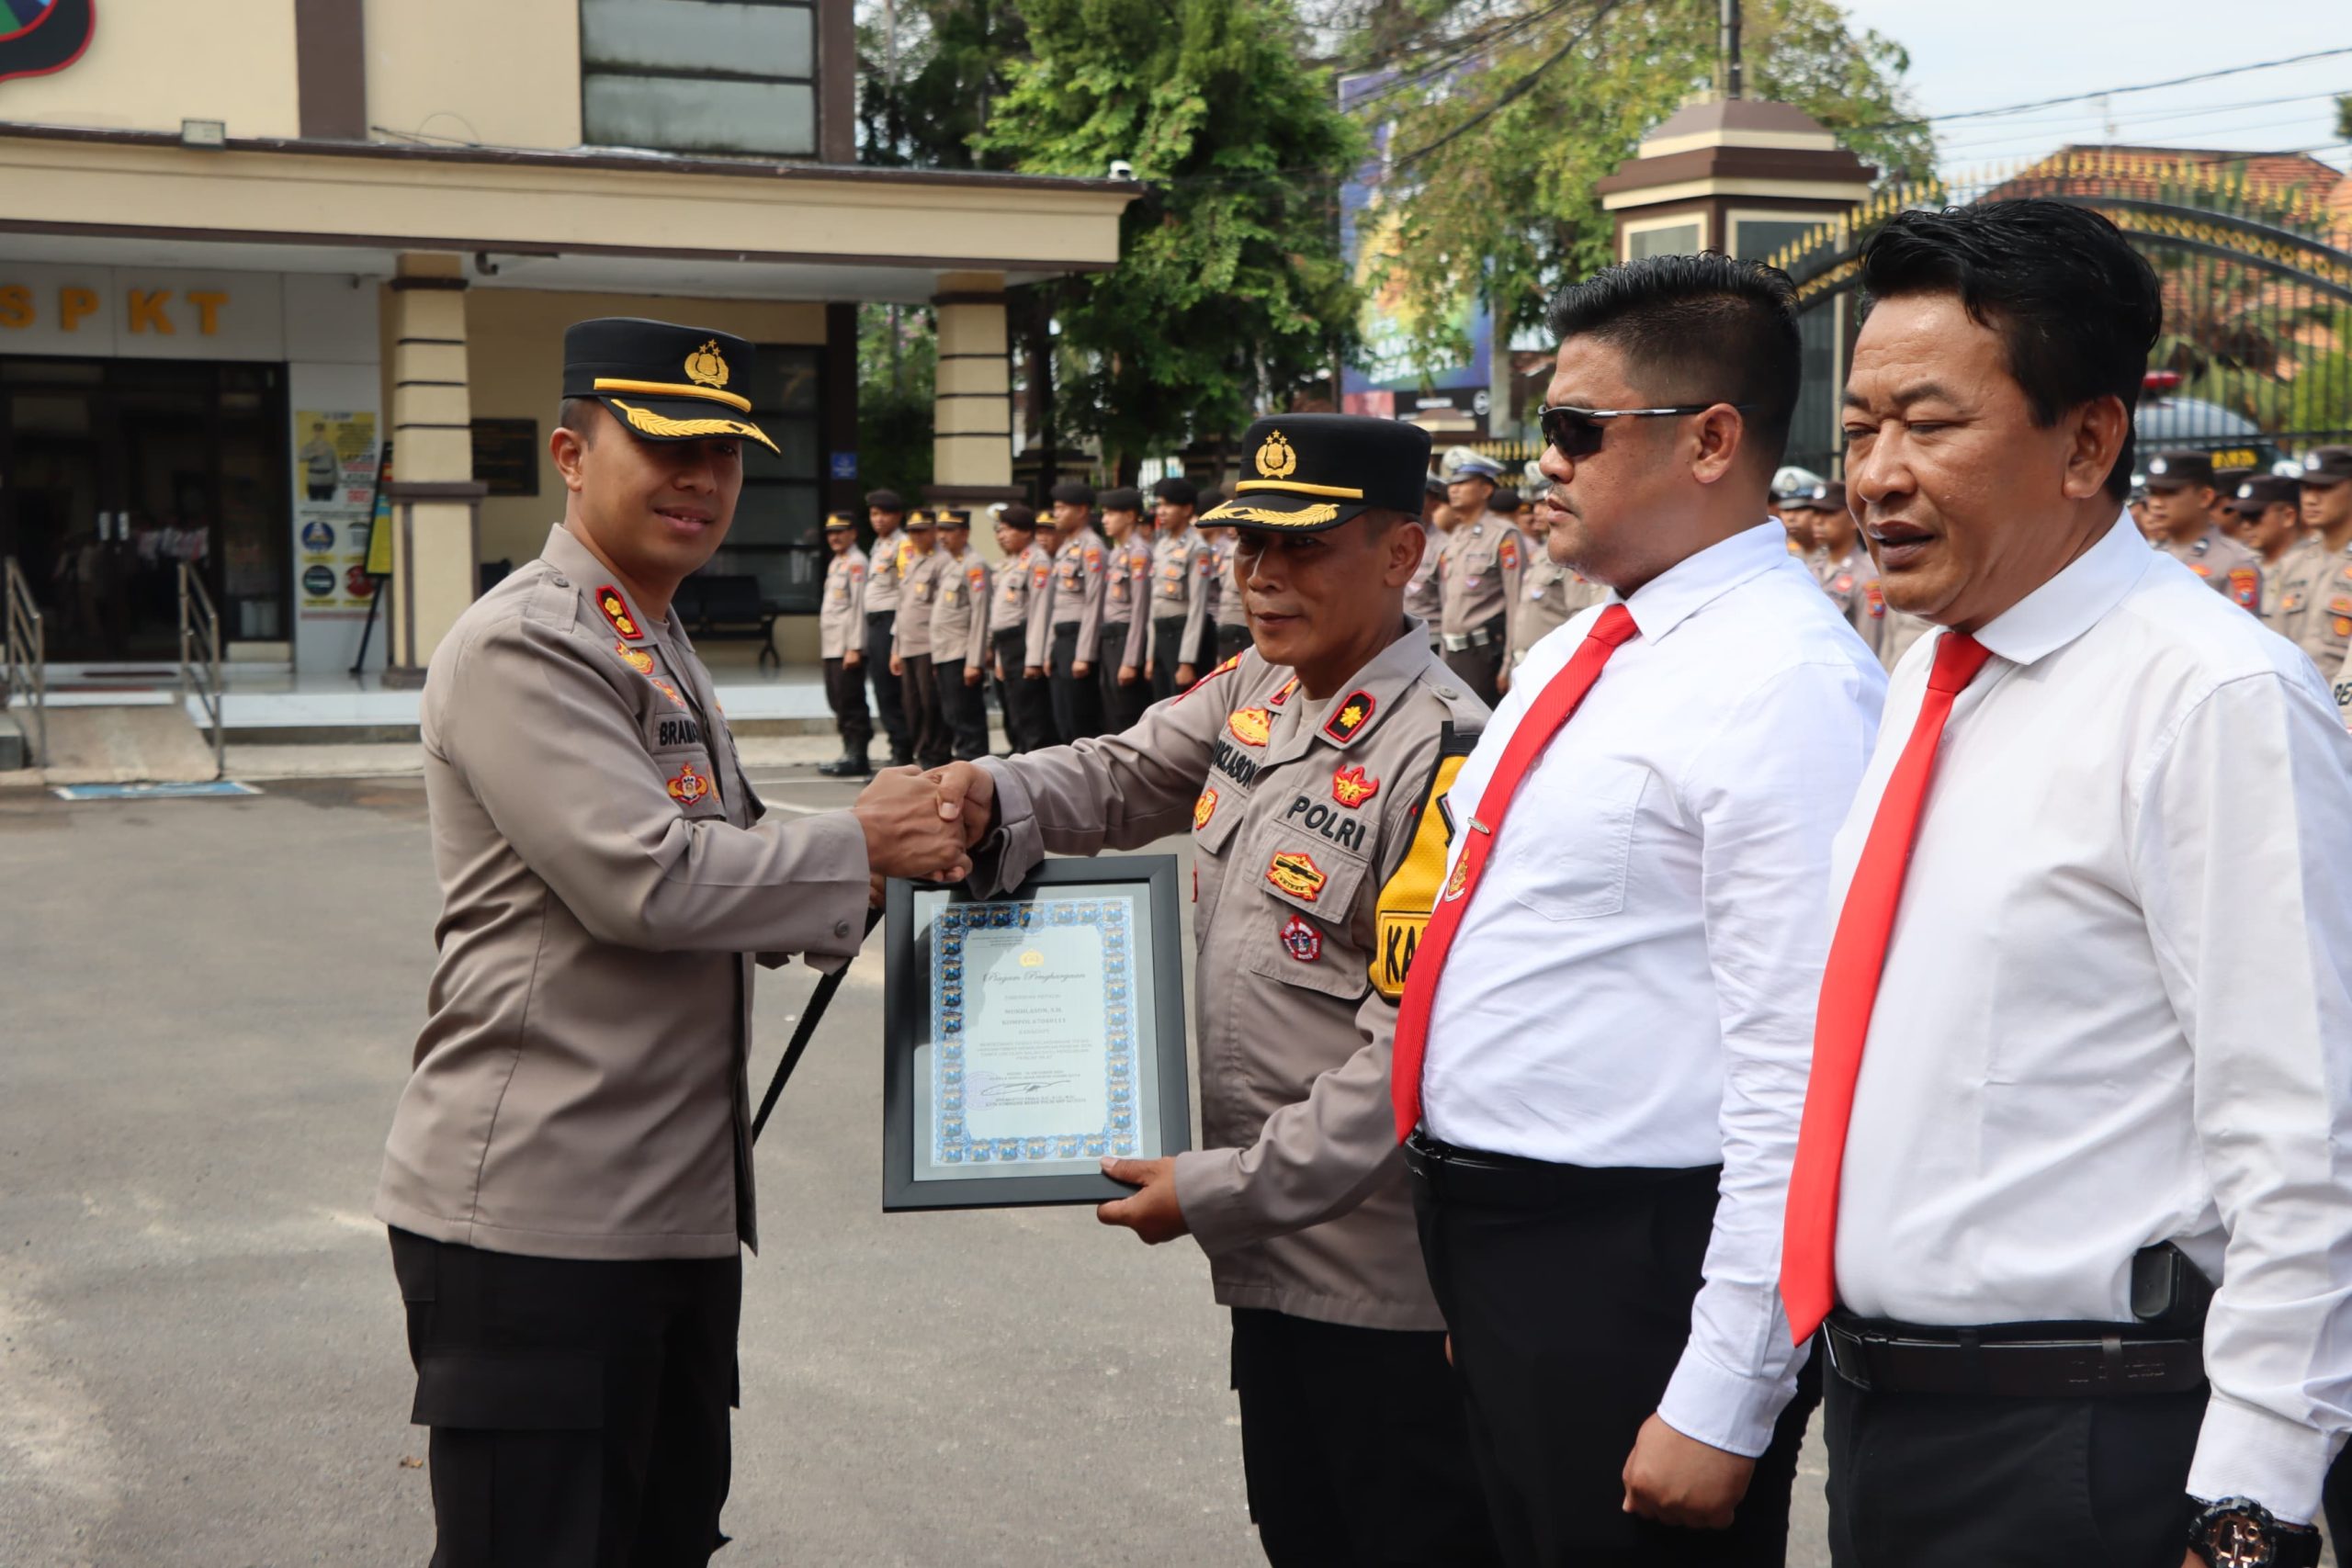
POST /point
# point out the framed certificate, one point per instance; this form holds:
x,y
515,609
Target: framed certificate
x,y
1029,1034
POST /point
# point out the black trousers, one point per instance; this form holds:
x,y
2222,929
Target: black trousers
x,y
2337,1500
1122,705
926,728
1078,700
578,1411
1937,1480
1568,1318
1028,703
1479,667
963,709
1167,653
1230,641
881,628
846,695
1353,1446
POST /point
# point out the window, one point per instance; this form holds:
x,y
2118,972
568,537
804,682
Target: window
x,y
1674,239
778,535
1757,239
733,76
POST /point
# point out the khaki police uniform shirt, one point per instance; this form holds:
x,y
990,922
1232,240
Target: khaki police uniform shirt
x,y
579,1089
1077,590
1126,598
919,591
890,558
1019,595
1182,566
2228,567
1549,595
840,623
959,621
1851,582
2308,600
1299,811
1226,607
1478,573
1423,600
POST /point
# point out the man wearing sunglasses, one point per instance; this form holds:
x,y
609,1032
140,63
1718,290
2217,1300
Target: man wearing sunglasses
x,y
1601,1049
1478,570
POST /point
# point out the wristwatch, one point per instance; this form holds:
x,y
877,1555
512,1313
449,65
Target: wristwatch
x,y
2238,1532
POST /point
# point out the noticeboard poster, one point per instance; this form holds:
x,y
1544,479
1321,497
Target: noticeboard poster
x,y
334,498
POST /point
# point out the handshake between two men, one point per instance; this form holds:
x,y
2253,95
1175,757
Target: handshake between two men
x,y
923,825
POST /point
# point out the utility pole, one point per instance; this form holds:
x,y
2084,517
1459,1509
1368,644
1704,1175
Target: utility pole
x,y
1730,49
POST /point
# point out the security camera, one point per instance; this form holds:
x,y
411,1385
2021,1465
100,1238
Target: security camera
x,y
1122,170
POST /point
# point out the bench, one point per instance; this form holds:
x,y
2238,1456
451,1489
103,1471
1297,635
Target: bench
x,y
728,609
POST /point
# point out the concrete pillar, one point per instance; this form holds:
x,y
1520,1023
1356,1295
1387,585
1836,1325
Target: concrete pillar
x,y
972,410
436,502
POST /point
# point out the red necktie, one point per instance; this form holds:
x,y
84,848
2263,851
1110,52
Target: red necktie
x,y
1536,727
1848,992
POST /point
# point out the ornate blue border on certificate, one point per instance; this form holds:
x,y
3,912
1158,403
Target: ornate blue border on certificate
x,y
949,1142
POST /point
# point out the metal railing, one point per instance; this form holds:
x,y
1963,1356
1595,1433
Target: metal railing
x,y
24,679
200,636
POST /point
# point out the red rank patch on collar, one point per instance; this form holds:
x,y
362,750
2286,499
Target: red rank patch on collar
x,y
688,787
1347,719
1281,696
615,608
1350,788
1301,940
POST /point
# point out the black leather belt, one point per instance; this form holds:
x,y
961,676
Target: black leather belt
x,y
873,616
1472,1177
1062,626
2015,1360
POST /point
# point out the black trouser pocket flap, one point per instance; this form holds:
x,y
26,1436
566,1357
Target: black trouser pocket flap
x,y
511,1391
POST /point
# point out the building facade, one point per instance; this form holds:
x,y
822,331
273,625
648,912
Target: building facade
x,y
259,256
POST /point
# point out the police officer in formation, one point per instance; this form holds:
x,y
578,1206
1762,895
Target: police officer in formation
x,y
1073,612
1550,593
568,1181
1228,614
2308,594
886,564
1017,631
1478,572
1305,768
959,636
1182,562
841,637
1121,664
2265,516
2181,501
1423,599
910,646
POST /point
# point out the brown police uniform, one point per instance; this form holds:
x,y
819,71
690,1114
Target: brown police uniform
x,y
1017,644
1478,572
1181,568
841,627
1229,612
1075,614
918,682
1424,600
884,569
1549,595
2228,567
959,642
1127,630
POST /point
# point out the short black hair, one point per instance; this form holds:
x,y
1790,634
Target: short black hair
x,y
576,414
1177,490
1698,329
2076,308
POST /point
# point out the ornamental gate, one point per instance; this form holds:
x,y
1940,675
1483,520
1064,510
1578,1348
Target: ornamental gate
x,y
2254,361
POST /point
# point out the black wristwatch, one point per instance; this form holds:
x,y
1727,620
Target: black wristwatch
x,y
2238,1532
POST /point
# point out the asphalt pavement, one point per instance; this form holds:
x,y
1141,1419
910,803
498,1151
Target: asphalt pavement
x,y
206,1014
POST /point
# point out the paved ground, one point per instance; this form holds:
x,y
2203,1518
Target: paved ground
x,y
206,1008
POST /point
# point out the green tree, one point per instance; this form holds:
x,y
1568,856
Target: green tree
x,y
1502,126
1230,292
898,362
926,91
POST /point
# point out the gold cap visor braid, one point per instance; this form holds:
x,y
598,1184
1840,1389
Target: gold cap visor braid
x,y
663,427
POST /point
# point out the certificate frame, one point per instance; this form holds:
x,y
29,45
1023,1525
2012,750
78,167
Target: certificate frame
x,y
1147,884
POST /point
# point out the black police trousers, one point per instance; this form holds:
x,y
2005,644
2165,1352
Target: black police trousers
x,y
1568,1293
1028,703
1167,653
927,725
881,631
1942,1480
579,1410
963,708
1122,705
1353,1446
1078,700
846,695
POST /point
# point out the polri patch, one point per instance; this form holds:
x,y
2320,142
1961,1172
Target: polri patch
x,y
1351,787
615,608
1349,718
688,785
1301,939
1295,872
636,659
1204,809
1251,725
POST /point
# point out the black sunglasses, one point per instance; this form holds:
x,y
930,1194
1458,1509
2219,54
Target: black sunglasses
x,y
1577,432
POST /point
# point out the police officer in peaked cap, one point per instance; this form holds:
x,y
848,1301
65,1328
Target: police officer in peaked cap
x,y
1307,765
568,1178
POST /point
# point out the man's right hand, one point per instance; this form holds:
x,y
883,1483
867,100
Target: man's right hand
x,y
909,830
972,791
898,665
851,659
1033,672
1183,675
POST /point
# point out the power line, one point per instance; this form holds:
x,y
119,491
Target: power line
x,y
2017,129
1511,95
2104,92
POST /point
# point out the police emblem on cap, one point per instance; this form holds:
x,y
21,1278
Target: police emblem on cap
x,y
2157,465
2245,492
1316,471
705,367
634,368
1275,459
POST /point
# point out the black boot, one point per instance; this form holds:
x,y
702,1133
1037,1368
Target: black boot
x,y
850,764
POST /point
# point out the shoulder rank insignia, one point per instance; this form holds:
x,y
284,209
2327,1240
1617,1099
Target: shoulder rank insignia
x,y
1224,669
688,787
1301,939
1204,809
1350,788
1875,597
2199,567
615,608
1282,694
1352,714
1295,872
636,659
1250,726
2245,586
1511,553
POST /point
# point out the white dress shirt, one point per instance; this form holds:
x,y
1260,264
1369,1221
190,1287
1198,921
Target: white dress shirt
x,y
1633,983
2115,1007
